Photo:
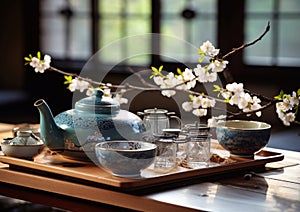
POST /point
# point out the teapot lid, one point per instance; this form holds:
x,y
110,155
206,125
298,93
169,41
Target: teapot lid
x,y
98,104
155,111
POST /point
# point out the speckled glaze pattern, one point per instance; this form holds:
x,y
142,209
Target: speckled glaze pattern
x,y
119,127
242,143
125,158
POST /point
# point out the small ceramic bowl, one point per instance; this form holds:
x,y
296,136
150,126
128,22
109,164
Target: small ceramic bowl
x,y
125,158
21,151
243,138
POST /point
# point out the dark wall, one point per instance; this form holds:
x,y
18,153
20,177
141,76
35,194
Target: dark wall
x,y
11,45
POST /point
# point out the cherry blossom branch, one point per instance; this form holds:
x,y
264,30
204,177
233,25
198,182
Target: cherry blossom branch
x,y
263,107
248,44
185,81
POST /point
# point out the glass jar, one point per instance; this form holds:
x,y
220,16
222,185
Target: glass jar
x,y
198,150
165,159
155,120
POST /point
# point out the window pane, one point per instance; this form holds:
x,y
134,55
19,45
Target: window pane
x,y
110,30
139,6
111,6
171,6
289,51
80,38
53,39
255,6
191,21
280,46
261,52
65,28
290,6
120,20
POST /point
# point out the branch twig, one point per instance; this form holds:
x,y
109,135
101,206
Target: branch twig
x,y
250,43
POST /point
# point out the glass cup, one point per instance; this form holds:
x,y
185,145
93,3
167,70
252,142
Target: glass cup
x,y
198,150
165,159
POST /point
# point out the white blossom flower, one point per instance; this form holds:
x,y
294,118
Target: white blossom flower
x,y
200,112
280,108
235,99
169,82
47,59
197,101
40,68
78,84
158,80
207,103
226,94
213,121
209,49
255,100
203,75
34,62
168,93
294,100
189,77
244,100
40,65
89,91
181,83
187,106
212,77
188,74
235,87
217,65
288,118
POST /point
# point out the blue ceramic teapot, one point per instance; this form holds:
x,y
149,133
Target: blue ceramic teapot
x,y
94,119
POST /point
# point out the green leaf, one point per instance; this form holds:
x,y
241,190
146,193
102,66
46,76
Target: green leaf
x,y
154,69
201,59
217,88
201,52
179,71
38,55
27,59
298,92
68,79
280,96
160,68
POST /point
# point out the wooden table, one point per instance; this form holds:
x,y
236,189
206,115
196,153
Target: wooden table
x,y
275,189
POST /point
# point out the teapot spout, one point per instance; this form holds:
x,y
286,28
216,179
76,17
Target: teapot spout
x,y
51,133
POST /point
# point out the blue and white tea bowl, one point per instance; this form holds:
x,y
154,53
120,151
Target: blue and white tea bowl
x,y
125,158
243,138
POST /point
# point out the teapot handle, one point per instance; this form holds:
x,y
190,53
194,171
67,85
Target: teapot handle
x,y
177,119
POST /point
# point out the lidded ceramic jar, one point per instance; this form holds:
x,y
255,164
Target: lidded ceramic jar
x,y
24,145
25,138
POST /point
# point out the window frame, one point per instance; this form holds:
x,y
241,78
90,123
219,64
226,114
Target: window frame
x,y
230,34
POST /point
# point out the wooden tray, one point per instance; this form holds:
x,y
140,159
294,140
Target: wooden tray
x,y
91,174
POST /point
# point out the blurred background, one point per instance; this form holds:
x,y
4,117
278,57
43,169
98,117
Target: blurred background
x,y
71,31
